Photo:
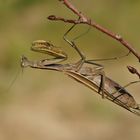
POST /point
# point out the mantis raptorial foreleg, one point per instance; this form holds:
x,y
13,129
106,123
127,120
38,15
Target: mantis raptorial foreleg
x,y
43,46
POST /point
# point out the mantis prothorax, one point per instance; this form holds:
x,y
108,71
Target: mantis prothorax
x,y
89,76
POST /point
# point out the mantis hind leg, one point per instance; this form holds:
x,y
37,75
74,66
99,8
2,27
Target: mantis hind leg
x,y
124,98
122,89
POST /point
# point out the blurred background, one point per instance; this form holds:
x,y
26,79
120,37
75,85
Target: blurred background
x,y
47,105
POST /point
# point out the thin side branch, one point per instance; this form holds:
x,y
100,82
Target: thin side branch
x,y
84,20
133,71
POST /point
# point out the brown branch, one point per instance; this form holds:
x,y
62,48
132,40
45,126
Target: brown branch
x,y
84,20
75,11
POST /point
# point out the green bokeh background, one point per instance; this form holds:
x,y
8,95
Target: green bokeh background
x,y
42,105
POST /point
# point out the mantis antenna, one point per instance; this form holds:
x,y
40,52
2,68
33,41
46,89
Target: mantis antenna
x,y
13,80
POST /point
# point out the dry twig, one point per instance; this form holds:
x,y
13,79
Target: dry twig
x,y
84,20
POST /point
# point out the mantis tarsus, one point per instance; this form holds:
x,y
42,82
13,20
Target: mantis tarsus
x,y
87,75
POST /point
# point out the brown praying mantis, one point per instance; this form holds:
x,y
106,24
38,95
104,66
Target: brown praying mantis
x,y
92,77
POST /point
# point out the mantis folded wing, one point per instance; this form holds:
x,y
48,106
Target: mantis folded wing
x,y
87,75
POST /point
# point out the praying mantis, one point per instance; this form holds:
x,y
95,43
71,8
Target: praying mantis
x,y
92,77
